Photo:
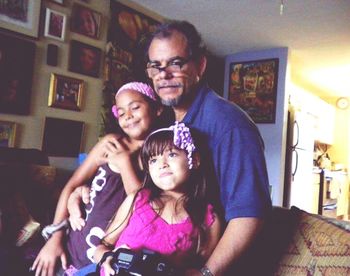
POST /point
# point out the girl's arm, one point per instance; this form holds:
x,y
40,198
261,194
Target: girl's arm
x,y
53,249
213,235
116,227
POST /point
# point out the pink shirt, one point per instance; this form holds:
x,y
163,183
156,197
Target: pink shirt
x,y
146,229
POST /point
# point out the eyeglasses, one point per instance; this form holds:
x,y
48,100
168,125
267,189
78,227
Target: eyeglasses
x,y
173,66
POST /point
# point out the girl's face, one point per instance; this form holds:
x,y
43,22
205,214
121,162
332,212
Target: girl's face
x,y
169,170
135,115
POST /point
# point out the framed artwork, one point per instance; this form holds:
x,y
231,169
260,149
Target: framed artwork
x,y
21,17
65,92
55,24
7,134
60,2
253,86
84,59
62,137
16,73
85,21
126,28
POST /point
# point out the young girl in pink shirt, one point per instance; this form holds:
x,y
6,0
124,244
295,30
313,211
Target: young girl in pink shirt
x,y
170,214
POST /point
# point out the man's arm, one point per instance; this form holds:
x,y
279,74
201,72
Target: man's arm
x,y
238,236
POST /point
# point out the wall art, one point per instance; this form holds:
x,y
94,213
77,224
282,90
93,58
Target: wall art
x,y
16,73
65,92
253,86
22,17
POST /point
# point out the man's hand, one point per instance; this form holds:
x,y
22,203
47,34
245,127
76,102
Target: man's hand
x,y
79,196
46,261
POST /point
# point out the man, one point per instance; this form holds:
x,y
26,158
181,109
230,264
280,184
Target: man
x,y
176,64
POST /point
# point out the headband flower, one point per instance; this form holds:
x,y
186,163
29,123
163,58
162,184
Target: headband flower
x,y
182,139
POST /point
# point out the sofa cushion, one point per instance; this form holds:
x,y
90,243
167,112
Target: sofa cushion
x,y
27,197
318,247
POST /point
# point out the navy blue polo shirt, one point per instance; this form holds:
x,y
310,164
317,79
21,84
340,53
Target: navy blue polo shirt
x,y
233,150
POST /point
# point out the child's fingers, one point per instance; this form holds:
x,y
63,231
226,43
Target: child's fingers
x,y
85,194
64,261
107,267
76,224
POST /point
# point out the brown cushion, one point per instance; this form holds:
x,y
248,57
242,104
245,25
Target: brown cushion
x,y
318,247
27,196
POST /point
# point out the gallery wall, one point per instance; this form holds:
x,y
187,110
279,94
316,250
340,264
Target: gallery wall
x,y
30,128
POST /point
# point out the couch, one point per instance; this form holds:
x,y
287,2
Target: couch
x,y
29,193
293,241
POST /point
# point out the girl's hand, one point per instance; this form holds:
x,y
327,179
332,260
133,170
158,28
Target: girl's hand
x,y
107,266
79,196
123,152
106,146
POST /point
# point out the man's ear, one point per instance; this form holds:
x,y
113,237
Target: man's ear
x,y
202,65
196,160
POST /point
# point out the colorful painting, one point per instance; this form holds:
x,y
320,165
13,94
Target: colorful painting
x,y
253,86
7,134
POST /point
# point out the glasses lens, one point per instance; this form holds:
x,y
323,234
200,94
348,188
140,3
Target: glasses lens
x,y
173,66
152,71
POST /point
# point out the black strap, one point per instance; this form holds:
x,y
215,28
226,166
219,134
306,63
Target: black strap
x,y
104,257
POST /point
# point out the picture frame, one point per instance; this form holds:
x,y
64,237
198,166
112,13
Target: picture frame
x,y
62,138
16,74
7,134
65,92
55,24
85,21
84,59
59,2
23,18
253,86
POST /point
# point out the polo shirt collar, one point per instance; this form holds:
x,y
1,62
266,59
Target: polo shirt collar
x,y
202,92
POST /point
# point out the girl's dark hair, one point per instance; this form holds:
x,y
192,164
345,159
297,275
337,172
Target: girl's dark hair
x,y
194,200
195,46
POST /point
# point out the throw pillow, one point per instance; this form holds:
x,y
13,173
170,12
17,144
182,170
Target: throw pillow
x,y
318,247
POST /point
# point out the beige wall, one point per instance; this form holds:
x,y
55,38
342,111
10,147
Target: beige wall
x,y
30,127
340,151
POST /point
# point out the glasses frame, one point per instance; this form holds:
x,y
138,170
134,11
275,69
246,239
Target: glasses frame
x,y
181,64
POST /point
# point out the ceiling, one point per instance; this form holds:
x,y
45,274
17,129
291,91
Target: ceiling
x,y
317,33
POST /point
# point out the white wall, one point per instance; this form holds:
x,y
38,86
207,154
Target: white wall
x,y
274,135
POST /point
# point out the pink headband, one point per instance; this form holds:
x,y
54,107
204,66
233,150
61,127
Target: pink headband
x,y
140,87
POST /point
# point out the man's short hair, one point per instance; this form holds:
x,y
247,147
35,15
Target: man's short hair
x,y
195,46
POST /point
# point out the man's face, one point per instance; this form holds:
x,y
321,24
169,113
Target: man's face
x,y
173,87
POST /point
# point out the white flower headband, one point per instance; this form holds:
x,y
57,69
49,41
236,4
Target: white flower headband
x,y
182,139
